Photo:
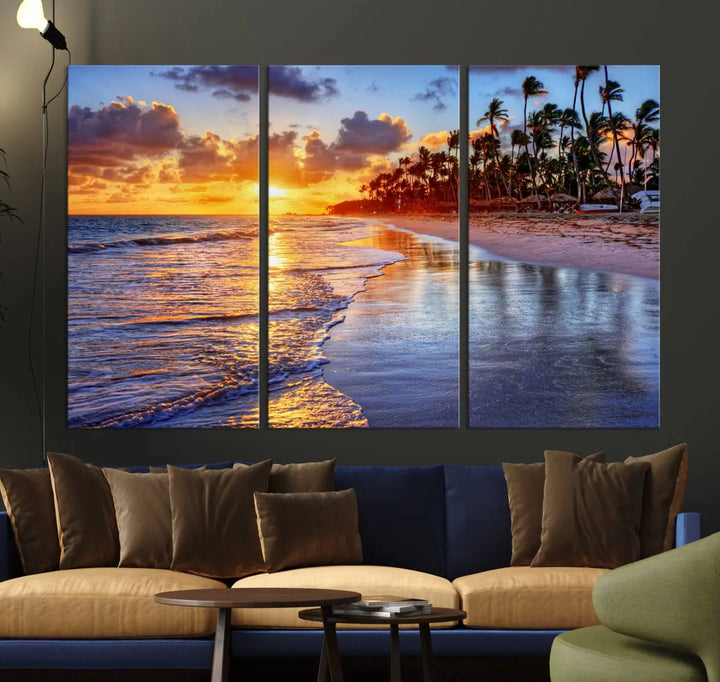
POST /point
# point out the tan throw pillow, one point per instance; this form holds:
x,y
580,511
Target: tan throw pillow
x,y
591,512
28,498
663,497
142,510
301,477
525,484
84,513
214,532
308,529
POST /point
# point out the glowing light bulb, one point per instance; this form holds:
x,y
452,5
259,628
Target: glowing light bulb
x,y
30,14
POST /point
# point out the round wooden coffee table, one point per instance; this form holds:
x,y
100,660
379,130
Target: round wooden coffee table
x,y
330,651
256,598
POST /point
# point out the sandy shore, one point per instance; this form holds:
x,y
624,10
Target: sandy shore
x,y
627,244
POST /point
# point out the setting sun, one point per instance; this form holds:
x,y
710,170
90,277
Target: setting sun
x,y
277,192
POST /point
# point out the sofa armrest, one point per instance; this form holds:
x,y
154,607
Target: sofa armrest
x,y
671,598
9,558
687,528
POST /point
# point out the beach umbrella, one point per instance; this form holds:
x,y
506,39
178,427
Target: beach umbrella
x,y
563,198
533,198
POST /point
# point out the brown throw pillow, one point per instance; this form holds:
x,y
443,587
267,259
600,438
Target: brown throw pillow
x,y
301,477
308,529
84,512
591,512
663,497
142,510
525,484
28,498
214,532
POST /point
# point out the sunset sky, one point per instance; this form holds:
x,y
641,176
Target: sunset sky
x,y
356,124
162,140
183,139
505,82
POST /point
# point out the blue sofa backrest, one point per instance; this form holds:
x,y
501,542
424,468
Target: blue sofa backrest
x,y
446,520
477,520
402,514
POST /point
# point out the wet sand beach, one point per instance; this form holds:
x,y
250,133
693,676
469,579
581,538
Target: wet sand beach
x,y
626,243
564,335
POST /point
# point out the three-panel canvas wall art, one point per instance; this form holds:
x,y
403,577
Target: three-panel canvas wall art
x,y
364,298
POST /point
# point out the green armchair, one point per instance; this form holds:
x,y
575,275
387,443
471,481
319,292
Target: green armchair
x,y
660,622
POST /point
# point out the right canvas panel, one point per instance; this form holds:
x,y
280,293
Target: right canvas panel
x,y
564,297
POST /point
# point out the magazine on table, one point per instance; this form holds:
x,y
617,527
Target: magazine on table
x,y
376,608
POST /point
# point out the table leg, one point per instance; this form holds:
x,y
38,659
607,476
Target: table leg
x,y
395,668
333,653
221,651
428,660
322,675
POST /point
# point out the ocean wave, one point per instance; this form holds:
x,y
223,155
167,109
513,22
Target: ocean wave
x,y
230,389
165,240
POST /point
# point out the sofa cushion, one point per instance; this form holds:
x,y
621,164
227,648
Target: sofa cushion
x,y
96,603
214,531
302,477
591,512
370,581
142,510
28,498
662,497
526,485
402,515
529,598
308,529
478,520
84,512
598,654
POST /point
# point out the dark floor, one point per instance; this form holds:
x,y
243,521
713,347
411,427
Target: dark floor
x,y
304,670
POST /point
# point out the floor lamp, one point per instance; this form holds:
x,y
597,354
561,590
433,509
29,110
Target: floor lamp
x,y
30,14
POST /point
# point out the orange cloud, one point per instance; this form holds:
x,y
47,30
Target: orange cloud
x,y
479,132
435,141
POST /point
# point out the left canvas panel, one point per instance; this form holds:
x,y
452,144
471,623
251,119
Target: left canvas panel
x,y
162,246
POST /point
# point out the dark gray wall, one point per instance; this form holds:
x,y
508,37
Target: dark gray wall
x,y
353,32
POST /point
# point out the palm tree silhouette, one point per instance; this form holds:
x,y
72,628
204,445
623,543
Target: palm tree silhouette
x,y
531,87
496,112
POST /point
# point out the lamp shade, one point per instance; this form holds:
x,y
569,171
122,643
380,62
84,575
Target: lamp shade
x,y
30,14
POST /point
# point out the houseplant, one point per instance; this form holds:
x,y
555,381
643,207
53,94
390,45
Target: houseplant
x,y
6,211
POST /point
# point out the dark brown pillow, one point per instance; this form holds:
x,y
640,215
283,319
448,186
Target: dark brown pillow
x,y
84,512
142,510
301,477
214,532
308,529
28,498
525,484
663,497
591,512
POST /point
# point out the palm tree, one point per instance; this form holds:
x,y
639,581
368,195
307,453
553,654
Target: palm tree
x,y
496,112
568,119
582,72
612,92
648,112
531,87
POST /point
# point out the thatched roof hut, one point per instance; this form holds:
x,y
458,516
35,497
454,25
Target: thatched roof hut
x,y
606,195
563,199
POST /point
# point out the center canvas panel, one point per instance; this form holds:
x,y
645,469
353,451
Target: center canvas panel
x,y
162,246
363,246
